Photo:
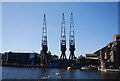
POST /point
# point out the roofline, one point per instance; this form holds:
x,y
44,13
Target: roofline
x,y
22,52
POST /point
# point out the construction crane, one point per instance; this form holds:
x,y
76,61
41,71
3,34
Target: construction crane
x,y
63,39
72,39
44,42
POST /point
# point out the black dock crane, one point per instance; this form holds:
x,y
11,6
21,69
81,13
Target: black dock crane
x,y
44,42
63,39
72,39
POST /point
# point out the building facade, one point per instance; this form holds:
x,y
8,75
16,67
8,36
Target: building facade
x,y
109,55
21,57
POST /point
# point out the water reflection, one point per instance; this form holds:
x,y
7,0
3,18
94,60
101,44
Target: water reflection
x,y
53,73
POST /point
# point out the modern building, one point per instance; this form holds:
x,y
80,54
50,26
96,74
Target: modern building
x,y
21,57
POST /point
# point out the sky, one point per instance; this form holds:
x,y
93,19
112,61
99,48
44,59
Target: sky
x,y
95,24
0,26
59,0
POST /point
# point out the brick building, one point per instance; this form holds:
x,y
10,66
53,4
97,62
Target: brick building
x,y
109,55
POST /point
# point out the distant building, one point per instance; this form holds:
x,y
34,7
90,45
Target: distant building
x,y
92,56
21,57
89,59
92,59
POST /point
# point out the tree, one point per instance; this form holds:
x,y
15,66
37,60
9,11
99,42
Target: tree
x,y
54,56
49,56
41,54
75,57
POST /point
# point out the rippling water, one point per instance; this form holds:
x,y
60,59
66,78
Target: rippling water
x,y
53,73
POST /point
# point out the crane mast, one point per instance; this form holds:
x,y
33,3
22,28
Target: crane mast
x,y
44,42
63,39
72,39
